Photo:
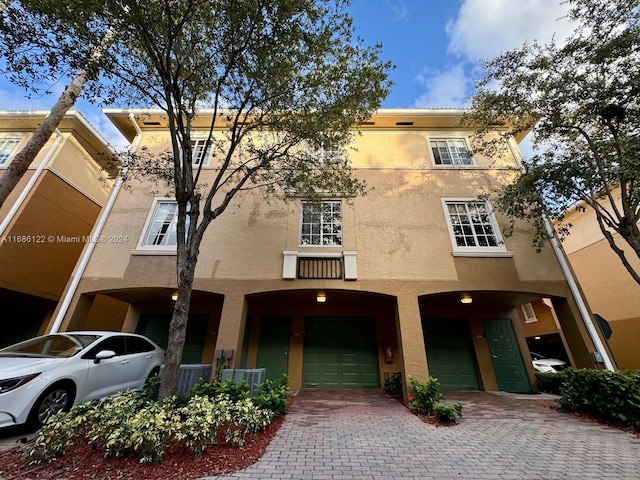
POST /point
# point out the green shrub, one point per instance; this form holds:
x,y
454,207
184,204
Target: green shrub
x,y
202,388
272,395
146,433
447,413
151,389
393,384
131,424
551,382
426,395
427,400
611,396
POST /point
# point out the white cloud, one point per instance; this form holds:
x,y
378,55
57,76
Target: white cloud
x,y
399,9
482,30
444,88
485,28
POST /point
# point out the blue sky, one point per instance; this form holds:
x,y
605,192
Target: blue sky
x,y
436,46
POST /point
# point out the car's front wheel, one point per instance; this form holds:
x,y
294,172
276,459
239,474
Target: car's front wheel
x,y
56,399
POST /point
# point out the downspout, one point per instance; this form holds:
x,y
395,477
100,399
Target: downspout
x,y
568,274
582,307
27,189
97,231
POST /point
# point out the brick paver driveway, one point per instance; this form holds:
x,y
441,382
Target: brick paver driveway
x,y
353,435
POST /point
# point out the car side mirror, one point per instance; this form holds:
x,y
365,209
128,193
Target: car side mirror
x,y
104,355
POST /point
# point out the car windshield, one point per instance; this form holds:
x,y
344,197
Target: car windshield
x,y
56,345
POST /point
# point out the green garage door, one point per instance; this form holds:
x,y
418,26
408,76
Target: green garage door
x,y
450,354
156,327
340,353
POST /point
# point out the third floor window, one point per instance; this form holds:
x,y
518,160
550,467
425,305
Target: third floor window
x,y
7,146
452,151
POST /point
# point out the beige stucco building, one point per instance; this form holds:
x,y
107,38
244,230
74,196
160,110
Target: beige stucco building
x,y
391,266
44,220
610,290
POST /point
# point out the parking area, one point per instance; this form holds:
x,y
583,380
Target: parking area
x,y
363,434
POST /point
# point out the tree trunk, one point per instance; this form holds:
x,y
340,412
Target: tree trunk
x,y
186,262
175,345
17,168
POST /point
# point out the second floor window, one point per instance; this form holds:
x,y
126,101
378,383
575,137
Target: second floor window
x,y
162,225
321,224
450,152
472,225
199,151
7,146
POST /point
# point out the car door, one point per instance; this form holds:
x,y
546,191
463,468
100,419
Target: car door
x,y
107,376
142,358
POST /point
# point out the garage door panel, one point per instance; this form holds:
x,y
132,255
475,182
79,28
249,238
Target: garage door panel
x,y
330,377
312,358
312,378
330,358
450,353
342,350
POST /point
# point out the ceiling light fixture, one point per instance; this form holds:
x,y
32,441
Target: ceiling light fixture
x,y
466,298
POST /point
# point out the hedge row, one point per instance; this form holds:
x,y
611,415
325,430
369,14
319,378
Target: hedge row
x,y
611,396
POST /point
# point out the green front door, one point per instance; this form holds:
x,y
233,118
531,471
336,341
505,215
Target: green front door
x,y
450,353
508,365
340,353
156,327
273,351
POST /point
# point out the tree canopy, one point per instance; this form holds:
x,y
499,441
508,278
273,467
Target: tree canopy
x,y
287,78
580,100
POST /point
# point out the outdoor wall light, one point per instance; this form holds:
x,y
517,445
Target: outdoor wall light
x,y
465,298
321,297
174,296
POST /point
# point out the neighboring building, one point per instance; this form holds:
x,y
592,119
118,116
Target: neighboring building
x,y
340,297
44,221
609,288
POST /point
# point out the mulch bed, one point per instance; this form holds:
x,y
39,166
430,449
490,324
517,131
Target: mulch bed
x,y
178,463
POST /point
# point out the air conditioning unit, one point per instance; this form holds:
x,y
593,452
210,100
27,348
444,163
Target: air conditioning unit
x,y
253,376
188,376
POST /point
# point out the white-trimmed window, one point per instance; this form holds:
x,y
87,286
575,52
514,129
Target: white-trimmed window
x,y
199,151
330,155
472,226
7,146
160,230
529,313
321,223
450,151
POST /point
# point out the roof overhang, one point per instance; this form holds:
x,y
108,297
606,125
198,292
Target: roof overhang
x,y
382,119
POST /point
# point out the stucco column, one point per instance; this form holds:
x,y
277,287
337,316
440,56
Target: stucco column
x,y
411,340
232,321
131,319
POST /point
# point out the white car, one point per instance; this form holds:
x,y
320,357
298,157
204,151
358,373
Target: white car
x,y
547,365
51,373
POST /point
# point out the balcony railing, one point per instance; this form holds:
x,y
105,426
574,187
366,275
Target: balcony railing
x,y
320,265
320,268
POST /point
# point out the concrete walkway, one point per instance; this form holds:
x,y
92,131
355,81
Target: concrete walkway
x,y
357,435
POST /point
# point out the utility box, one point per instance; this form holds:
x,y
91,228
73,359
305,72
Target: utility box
x,y
253,376
188,375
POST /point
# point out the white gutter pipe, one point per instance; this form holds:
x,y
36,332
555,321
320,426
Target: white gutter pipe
x,y
97,230
27,189
582,307
568,274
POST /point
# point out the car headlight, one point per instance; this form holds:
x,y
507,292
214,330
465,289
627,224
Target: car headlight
x,y
9,384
